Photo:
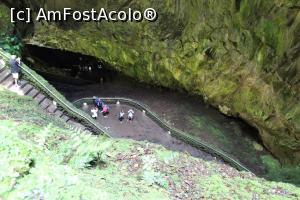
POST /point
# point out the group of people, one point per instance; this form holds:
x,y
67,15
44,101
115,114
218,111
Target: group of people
x,y
130,115
99,105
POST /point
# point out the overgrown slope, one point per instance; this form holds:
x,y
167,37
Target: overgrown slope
x,y
42,158
241,55
8,39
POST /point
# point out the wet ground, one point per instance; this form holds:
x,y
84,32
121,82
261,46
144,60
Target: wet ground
x,y
142,128
187,113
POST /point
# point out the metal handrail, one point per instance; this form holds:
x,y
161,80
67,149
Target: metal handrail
x,y
174,132
62,102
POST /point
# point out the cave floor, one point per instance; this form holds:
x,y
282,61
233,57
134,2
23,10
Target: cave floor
x,y
187,113
142,128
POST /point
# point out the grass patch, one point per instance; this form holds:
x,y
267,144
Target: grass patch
x,y
41,158
276,172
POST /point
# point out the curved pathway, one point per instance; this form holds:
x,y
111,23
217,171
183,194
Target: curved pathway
x,y
142,128
150,122
150,127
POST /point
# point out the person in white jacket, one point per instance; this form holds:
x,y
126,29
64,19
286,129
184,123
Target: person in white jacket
x,y
130,115
94,112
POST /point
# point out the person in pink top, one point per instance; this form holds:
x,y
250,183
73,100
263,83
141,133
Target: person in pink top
x,y
105,110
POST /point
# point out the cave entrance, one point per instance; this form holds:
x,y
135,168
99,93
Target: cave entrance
x,y
78,76
66,66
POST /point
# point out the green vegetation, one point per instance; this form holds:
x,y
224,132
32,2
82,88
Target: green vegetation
x,y
189,139
5,24
43,85
278,173
42,157
240,55
203,124
8,41
273,170
10,44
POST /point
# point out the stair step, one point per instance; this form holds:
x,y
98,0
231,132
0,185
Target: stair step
x,y
8,82
33,93
52,108
39,98
27,89
4,75
76,125
58,113
23,83
2,68
65,118
45,103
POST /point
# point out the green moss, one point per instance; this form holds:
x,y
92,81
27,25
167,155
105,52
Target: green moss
x,y
246,100
5,24
234,53
166,155
278,173
217,186
49,160
257,146
204,125
9,42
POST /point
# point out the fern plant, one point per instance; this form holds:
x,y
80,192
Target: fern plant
x,y
11,43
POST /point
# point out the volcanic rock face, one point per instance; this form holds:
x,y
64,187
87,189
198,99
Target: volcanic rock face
x,y
242,56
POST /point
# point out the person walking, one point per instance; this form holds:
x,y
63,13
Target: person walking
x,y
105,110
15,64
130,115
121,116
98,102
94,112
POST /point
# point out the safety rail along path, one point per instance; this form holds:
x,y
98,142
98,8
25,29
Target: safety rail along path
x,y
173,131
68,107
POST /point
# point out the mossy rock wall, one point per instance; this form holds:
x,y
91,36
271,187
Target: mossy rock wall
x,y
4,19
242,56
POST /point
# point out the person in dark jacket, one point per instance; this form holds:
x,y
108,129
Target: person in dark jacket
x,y
98,102
15,68
121,115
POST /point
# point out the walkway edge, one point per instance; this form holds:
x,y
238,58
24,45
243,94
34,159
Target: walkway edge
x,y
42,84
174,132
